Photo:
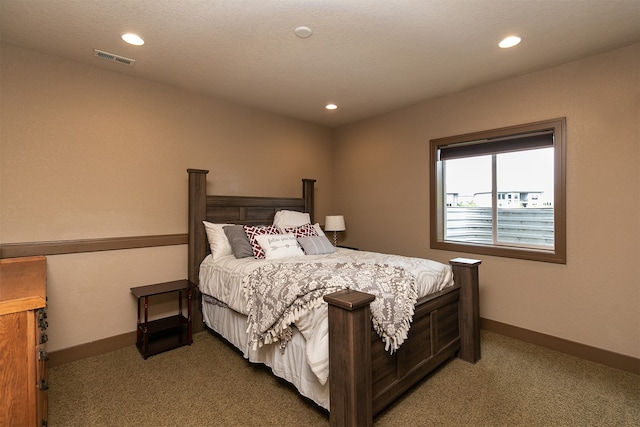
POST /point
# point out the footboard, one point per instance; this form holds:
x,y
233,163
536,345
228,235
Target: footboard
x,y
365,378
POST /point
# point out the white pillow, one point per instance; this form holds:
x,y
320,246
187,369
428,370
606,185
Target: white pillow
x,y
288,219
279,245
218,241
319,229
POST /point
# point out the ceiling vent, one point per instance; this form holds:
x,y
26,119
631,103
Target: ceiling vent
x,y
113,57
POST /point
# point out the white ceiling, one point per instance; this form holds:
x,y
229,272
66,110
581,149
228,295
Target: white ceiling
x,y
367,56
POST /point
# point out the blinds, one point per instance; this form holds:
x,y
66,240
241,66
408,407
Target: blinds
x,y
511,143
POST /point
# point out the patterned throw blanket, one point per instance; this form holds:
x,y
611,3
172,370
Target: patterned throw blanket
x,y
278,293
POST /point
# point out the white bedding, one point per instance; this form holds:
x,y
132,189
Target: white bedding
x,y
290,365
223,279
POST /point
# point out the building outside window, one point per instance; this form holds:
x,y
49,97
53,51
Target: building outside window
x,y
501,192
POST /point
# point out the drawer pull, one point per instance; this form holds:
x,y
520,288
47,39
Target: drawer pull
x,y
43,338
44,385
43,324
43,355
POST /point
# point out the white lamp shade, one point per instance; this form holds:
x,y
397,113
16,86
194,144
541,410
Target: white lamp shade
x,y
334,223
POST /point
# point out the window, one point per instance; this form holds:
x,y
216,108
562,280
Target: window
x,y
501,192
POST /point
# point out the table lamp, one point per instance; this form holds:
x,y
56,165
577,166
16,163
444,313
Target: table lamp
x,y
334,223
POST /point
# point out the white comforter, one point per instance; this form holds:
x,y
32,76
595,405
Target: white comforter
x,y
223,279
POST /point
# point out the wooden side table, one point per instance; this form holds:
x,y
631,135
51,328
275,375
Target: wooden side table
x,y
167,333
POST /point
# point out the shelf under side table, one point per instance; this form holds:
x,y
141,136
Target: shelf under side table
x,y
167,333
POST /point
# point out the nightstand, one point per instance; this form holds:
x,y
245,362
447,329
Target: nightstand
x,y
347,247
167,333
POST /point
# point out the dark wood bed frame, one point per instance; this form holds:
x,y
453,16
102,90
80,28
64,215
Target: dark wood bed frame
x,y
364,378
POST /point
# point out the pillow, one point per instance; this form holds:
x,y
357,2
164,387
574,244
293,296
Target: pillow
x,y
285,218
302,230
256,230
319,230
279,246
239,241
218,241
316,245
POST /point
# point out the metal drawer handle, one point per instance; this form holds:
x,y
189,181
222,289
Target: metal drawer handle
x,y
43,338
43,355
44,385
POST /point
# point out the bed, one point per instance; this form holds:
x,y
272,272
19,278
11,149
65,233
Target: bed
x,y
363,374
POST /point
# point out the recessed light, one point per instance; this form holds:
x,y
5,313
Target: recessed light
x,y
510,41
133,39
303,32
331,106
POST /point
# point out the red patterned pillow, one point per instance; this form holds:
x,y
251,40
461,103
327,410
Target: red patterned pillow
x,y
306,230
256,230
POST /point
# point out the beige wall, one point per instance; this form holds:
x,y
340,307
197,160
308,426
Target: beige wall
x,y
87,153
381,168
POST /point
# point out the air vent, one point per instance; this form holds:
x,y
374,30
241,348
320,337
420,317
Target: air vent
x,y
113,57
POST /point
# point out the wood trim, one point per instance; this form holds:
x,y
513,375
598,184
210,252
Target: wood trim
x,y
604,357
93,348
437,198
14,250
592,354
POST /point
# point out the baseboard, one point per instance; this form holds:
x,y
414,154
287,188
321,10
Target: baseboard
x,y
90,349
593,354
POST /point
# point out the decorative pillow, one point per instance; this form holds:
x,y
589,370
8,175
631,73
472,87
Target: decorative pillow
x,y
239,241
319,230
285,219
316,245
279,246
218,241
257,230
302,230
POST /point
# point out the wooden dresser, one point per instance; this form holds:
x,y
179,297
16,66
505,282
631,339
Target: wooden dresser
x,y
23,360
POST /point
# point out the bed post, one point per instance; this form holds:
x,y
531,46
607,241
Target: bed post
x,y
197,214
351,387
197,240
465,273
307,195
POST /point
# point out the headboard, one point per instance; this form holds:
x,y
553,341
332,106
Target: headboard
x,y
233,210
